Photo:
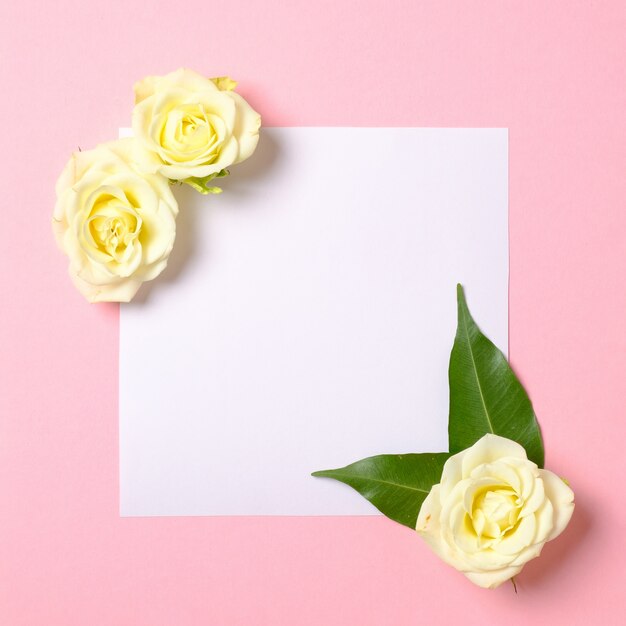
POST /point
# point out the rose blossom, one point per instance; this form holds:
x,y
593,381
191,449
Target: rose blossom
x,y
116,224
493,511
192,127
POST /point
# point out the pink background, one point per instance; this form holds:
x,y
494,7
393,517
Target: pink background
x,y
553,72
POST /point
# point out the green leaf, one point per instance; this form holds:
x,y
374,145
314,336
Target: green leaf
x,y
396,484
485,395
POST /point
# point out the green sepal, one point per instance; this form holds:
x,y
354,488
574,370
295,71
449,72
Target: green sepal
x,y
201,184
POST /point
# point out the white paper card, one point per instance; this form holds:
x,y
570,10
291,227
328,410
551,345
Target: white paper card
x,y
307,316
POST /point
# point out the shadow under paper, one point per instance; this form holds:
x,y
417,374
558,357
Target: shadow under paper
x,y
240,184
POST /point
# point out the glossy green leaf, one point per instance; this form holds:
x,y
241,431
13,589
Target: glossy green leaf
x,y
396,484
485,394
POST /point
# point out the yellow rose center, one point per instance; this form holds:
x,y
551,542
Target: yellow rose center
x,y
191,132
494,512
114,226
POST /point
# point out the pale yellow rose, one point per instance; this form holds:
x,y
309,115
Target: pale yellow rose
x,y
192,127
493,511
115,223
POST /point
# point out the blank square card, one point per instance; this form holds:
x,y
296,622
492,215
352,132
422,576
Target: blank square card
x,y
307,316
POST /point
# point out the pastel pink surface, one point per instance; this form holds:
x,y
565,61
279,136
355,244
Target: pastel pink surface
x,y
551,72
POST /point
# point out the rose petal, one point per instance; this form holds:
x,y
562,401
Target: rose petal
x,y
562,500
493,579
490,448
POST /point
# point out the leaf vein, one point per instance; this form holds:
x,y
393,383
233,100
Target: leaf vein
x,y
375,480
475,370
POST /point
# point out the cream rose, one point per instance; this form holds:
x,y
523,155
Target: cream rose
x,y
116,224
493,511
191,126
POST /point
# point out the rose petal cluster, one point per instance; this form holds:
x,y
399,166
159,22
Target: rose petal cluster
x,y
116,223
190,126
115,215
493,511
